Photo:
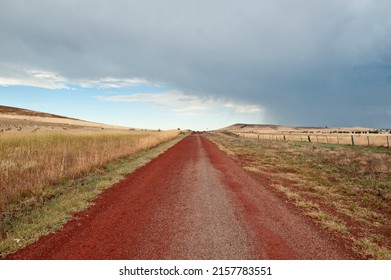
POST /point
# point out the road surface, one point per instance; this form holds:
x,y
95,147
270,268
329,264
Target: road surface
x,y
192,202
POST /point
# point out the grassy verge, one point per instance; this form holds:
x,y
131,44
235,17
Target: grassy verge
x,y
31,162
347,190
24,222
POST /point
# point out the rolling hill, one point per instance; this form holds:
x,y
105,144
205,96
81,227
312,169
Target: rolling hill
x,y
14,119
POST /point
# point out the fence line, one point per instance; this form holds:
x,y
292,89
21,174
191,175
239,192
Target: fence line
x,y
340,139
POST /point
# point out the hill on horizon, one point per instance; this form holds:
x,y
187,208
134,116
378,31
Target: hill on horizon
x,y
273,128
13,119
8,110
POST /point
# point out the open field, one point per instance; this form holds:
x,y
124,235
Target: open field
x,y
345,136
378,140
17,121
281,129
31,162
345,189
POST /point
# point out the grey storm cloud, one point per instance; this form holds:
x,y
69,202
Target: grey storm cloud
x,y
306,62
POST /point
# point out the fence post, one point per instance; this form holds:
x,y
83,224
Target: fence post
x,y
309,138
337,140
352,140
368,139
388,142
284,138
327,139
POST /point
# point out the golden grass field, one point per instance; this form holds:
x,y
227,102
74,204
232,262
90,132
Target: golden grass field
x,y
39,149
31,162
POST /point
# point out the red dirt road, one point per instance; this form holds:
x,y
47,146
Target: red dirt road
x,y
192,202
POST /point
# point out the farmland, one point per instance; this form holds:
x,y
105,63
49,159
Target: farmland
x,y
29,163
355,136
345,189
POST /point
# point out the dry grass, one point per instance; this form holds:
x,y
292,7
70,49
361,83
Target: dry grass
x,y
346,189
30,163
312,209
29,223
379,140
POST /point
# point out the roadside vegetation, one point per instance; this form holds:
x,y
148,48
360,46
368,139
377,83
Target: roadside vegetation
x,y
345,189
29,163
45,178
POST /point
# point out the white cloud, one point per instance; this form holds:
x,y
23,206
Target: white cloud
x,y
157,98
184,104
35,78
17,76
110,82
243,108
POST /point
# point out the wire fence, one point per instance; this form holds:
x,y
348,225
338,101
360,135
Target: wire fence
x,y
378,140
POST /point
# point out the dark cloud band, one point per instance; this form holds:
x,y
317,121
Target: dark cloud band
x,y
305,62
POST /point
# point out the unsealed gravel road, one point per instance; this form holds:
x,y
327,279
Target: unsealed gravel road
x,y
192,202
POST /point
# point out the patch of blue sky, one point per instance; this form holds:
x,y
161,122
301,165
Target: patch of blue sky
x,y
87,103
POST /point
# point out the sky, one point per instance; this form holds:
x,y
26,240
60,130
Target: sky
x,y
199,64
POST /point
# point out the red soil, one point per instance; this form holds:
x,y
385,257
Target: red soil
x,y
192,202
